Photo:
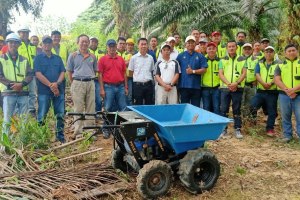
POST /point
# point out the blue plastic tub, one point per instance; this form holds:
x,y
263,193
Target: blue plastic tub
x,y
183,126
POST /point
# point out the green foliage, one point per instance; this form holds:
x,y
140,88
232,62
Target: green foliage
x,y
240,170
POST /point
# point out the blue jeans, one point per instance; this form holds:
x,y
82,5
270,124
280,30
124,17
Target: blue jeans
x,y
58,104
114,96
10,105
211,99
97,96
287,107
236,98
129,96
269,100
32,95
189,95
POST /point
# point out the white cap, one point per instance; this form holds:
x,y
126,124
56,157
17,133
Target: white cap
x,y
270,47
13,37
24,29
247,45
203,40
170,39
165,45
190,37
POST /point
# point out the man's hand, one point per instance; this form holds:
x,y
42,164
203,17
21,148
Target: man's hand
x,y
126,91
16,86
233,86
189,70
102,93
168,88
54,88
267,85
291,92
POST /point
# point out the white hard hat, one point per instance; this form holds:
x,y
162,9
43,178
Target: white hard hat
x,y
24,29
13,37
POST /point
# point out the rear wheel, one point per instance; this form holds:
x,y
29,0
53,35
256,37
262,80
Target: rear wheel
x,y
154,179
199,170
117,161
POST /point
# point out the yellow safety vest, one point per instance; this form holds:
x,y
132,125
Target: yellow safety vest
x,y
28,51
221,52
126,56
251,62
290,73
63,53
15,73
211,77
267,75
98,53
233,69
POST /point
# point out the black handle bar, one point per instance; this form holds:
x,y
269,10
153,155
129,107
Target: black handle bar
x,y
103,126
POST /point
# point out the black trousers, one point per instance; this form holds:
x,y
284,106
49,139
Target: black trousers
x,y
143,93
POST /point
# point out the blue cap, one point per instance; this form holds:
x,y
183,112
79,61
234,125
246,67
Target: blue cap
x,y
111,42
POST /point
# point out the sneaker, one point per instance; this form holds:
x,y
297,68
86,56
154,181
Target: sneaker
x,y
284,140
271,133
224,134
238,133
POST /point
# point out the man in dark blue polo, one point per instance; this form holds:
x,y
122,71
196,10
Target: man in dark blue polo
x,y
50,72
192,65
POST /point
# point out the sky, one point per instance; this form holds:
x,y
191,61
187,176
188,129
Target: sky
x,y
69,9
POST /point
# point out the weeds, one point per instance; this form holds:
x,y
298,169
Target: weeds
x,y
240,170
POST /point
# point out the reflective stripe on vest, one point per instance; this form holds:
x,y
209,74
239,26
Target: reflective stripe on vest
x,y
267,75
28,52
232,69
211,77
290,73
15,73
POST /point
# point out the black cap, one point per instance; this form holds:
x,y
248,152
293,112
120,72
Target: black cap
x,y
111,42
47,39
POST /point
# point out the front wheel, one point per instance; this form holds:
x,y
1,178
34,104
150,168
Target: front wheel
x,y
154,179
199,170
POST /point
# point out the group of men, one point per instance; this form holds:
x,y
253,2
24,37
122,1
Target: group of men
x,y
203,72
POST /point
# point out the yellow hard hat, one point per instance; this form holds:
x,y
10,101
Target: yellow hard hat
x,y
1,38
130,41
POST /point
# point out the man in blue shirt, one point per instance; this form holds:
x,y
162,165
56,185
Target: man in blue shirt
x,y
50,72
192,65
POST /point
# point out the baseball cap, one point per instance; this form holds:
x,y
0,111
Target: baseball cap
x,y
165,45
215,33
211,44
47,39
111,42
270,47
170,39
94,38
203,40
247,45
130,41
264,39
190,37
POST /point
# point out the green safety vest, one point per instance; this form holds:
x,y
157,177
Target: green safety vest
x,y
233,69
126,56
221,52
239,50
98,53
267,75
179,49
63,53
14,73
260,55
211,77
251,62
28,52
290,73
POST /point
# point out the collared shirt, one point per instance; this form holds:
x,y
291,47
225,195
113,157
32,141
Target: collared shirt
x,y
51,67
195,61
112,69
173,55
167,69
152,53
82,67
142,67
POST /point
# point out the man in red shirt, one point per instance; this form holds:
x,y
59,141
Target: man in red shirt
x,y
112,78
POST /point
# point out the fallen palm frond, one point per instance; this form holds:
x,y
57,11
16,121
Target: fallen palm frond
x,y
86,182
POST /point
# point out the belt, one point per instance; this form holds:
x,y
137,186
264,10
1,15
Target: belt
x,y
83,79
116,84
143,83
249,85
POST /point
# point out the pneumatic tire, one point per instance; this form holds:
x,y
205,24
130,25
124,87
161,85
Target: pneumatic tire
x,y
199,170
154,179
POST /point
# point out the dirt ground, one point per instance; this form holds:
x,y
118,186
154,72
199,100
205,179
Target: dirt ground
x,y
257,167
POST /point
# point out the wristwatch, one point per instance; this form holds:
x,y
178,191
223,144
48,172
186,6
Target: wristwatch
x,y
194,71
171,84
